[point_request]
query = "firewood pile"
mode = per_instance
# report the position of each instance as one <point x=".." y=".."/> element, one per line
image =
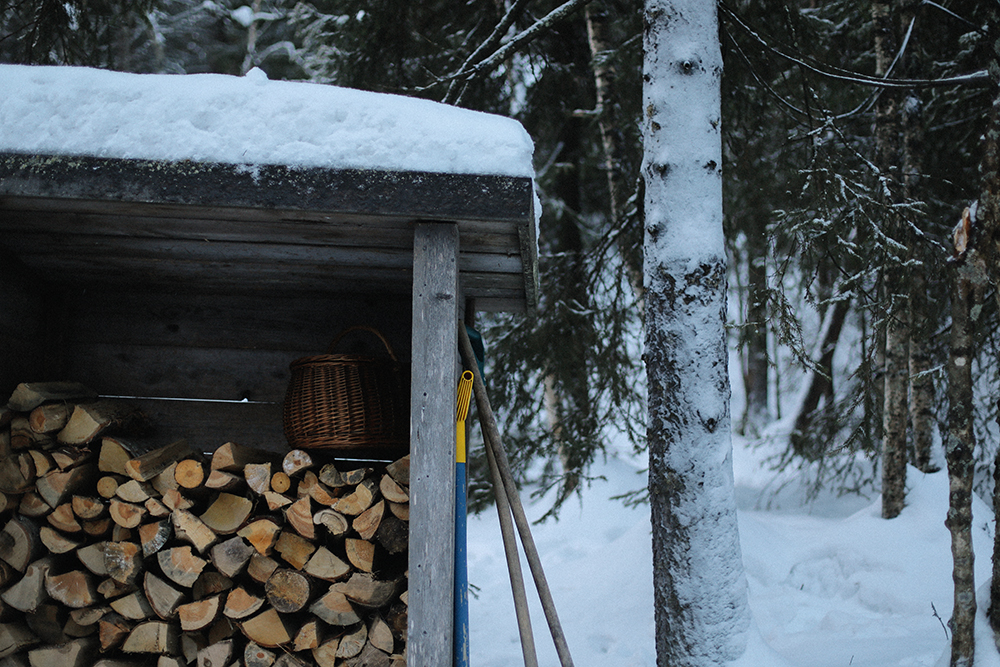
<point x="118" y="554"/>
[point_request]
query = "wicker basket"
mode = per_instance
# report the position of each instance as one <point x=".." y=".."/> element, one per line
<point x="352" y="404"/>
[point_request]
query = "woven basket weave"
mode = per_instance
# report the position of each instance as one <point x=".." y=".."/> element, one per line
<point x="353" y="404"/>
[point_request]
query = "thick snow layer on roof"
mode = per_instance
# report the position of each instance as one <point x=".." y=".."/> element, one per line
<point x="248" y="120"/>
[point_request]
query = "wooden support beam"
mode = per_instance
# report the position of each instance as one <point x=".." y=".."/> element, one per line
<point x="432" y="442"/>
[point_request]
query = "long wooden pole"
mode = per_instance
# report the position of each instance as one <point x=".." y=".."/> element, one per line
<point x="491" y="434"/>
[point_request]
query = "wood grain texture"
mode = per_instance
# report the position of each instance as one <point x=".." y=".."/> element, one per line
<point x="432" y="457"/>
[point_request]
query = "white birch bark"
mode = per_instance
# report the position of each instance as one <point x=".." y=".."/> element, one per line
<point x="702" y="615"/>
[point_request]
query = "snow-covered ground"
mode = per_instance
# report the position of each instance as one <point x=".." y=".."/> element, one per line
<point x="831" y="583"/>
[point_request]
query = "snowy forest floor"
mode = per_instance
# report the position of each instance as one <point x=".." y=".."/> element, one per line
<point x="831" y="583"/>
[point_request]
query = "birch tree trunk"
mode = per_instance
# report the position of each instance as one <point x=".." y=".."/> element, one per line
<point x="887" y="158"/>
<point x="702" y="616"/>
<point x="959" y="445"/>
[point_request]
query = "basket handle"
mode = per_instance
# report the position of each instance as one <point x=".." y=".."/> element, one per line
<point x="361" y="327"/>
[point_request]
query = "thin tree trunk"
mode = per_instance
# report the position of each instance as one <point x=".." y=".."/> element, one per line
<point x="988" y="214"/>
<point x="887" y="140"/>
<point x="699" y="588"/>
<point x="755" y="327"/>
<point x="923" y="421"/>
<point x="959" y="445"/>
<point x="612" y="138"/>
<point x="820" y="383"/>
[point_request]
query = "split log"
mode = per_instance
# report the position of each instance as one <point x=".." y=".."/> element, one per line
<point x="57" y="486"/>
<point x="29" y="395"/>
<point x="16" y="474"/>
<point x="199" y="614"/>
<point x="276" y="501"/>
<point x="368" y="521"/>
<point x="356" y="476"/>
<point x="163" y="598"/>
<point x="29" y="591"/>
<point x="154" y="536"/>
<point x="392" y="491"/>
<point x="332" y="477"/>
<point x="227" y="514"/>
<point x="15" y="637"/>
<point x="88" y="420"/>
<point x="112" y="630"/>
<point x="49" y="418"/>
<point x="240" y="604"/>
<point x="55" y="542"/>
<point x="224" y="628"/>
<point x="134" y="492"/>
<point x="233" y="457"/>
<point x="75" y="589"/>
<point x="255" y="655"/>
<point x="92" y="557"/>
<point x="218" y="654"/>
<point x="180" y="565"/>
<point x="109" y="588"/>
<point x="260" y="568"/>
<point x="63" y="518"/>
<point x="360" y="553"/>
<point x="192" y="529"/>
<point x="296" y="462"/>
<point x="325" y="654"/>
<point x="258" y="476"/>
<point x="367" y="591"/>
<point x="287" y="590"/>
<point x="149" y="465"/>
<point x="41" y="461"/>
<point x="326" y="566"/>
<point x="400" y="471"/>
<point x="369" y="656"/>
<point x="210" y="583"/>
<point x="232" y="555"/>
<point x="400" y="510"/>
<point x="65" y="458"/>
<point x="357" y="501"/>
<point x="353" y="642"/>
<point x="299" y="516"/>
<point x="126" y="514"/>
<point x="77" y="653"/>
<point x="219" y="480"/>
<point x="335" y="609"/>
<point x="315" y="489"/>
<point x="269" y="629"/>
<point x="380" y="635"/>
<point x="156" y="509"/>
<point x="20" y="543"/>
<point x="152" y="637"/>
<point x="173" y="499"/>
<point x="262" y="534"/>
<point x="294" y="549"/>
<point x="89" y="616"/>
<point x="123" y="561"/>
<point x="88" y="507"/>
<point x="97" y="527"/>
<point x="47" y="622"/>
<point x="310" y="636"/>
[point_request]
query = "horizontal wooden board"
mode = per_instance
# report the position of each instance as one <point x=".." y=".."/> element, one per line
<point x="136" y="220"/>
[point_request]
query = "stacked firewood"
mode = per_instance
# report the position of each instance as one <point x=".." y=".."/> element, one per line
<point x="114" y="553"/>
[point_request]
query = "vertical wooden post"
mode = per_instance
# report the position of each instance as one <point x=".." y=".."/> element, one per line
<point x="432" y="443"/>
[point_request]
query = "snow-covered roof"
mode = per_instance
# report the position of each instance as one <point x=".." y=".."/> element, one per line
<point x="249" y="120"/>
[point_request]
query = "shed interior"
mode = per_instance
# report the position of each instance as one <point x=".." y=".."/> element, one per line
<point x="178" y="280"/>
